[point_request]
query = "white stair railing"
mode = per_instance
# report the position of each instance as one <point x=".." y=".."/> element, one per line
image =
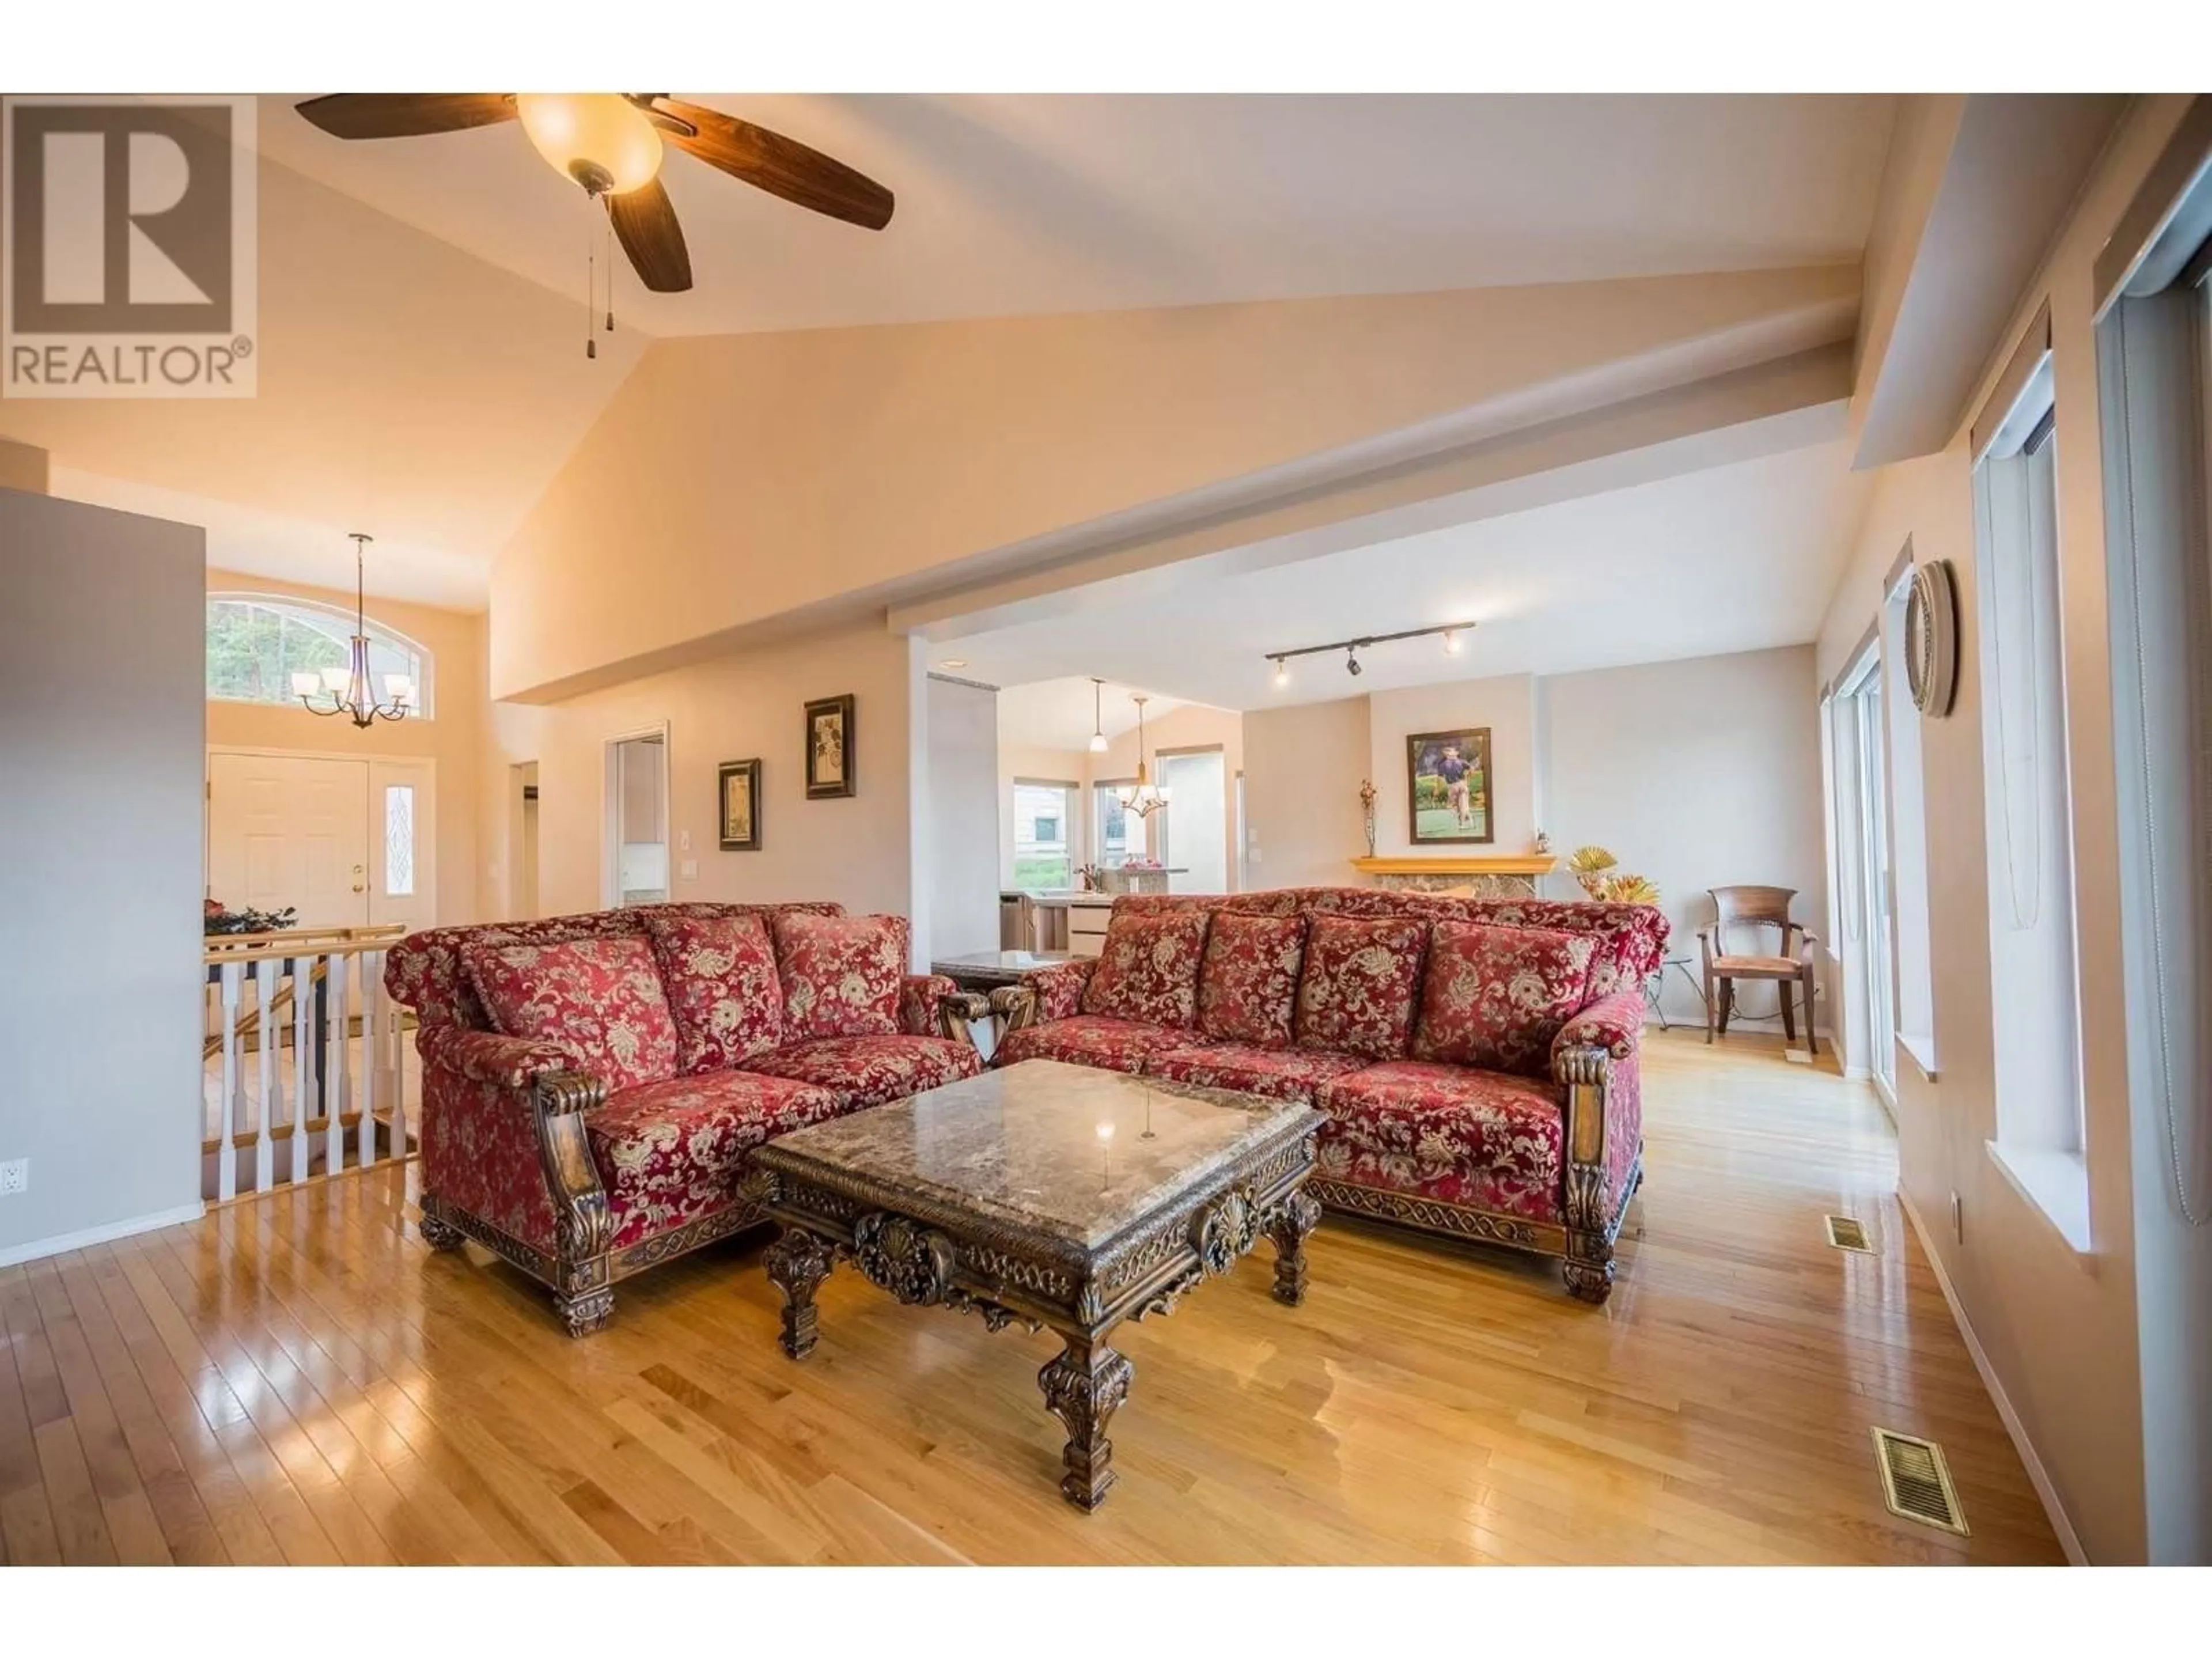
<point x="321" y="991"/>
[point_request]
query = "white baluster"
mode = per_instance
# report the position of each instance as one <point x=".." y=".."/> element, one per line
<point x="371" y="1062"/>
<point x="390" y="1056"/>
<point x="226" y="1167"/>
<point x="305" y="1082"/>
<point x="337" y="1079"/>
<point x="265" y="1110"/>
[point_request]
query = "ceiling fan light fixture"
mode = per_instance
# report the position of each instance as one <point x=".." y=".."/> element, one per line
<point x="600" y="140"/>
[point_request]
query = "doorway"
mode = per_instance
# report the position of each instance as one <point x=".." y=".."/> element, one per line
<point x="344" y="842"/>
<point x="637" y="818"/>
<point x="1195" y="844"/>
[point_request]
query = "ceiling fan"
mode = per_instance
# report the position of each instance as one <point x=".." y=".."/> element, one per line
<point x="611" y="144"/>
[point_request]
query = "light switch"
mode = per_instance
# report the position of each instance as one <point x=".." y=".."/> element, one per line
<point x="688" y="870"/>
<point x="683" y="840"/>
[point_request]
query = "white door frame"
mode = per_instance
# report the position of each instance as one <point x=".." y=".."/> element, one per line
<point x="611" y="807"/>
<point x="426" y="811"/>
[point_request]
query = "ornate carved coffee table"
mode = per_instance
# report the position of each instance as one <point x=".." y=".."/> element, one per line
<point x="1053" y="1195"/>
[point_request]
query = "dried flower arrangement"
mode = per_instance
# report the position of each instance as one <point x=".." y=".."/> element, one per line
<point x="1593" y="868"/>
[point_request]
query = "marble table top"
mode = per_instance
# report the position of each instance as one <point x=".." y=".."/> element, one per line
<point x="1070" y="1151"/>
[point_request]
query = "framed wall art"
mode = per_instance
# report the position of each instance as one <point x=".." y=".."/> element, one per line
<point x="738" y="790"/>
<point x="1448" y="786"/>
<point x="830" y="770"/>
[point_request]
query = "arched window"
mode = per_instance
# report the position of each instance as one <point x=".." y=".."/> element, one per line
<point x="257" y="642"/>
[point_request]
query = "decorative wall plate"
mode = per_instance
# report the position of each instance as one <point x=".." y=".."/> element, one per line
<point x="1931" y="639"/>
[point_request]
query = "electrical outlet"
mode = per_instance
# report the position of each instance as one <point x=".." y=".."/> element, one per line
<point x="1958" y="1220"/>
<point x="15" y="1175"/>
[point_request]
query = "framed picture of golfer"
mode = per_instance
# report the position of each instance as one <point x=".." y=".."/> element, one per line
<point x="1448" y="786"/>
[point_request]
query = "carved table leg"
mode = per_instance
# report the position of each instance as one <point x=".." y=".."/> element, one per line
<point x="798" y="1262"/>
<point x="586" y="1312"/>
<point x="1083" y="1387"/>
<point x="1288" y="1226"/>
<point x="439" y="1234"/>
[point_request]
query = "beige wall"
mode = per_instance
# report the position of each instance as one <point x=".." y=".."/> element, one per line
<point x="102" y="662"/>
<point x="2059" y="1329"/>
<point x="1507" y="705"/>
<point x="744" y="437"/>
<point x="1303" y="765"/>
<point x="452" y="738"/>
<point x="859" y="850"/>
<point x="1698" y="773"/>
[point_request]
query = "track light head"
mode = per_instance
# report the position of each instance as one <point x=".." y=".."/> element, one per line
<point x="1351" y="660"/>
<point x="1282" y="673"/>
<point x="1451" y="641"/>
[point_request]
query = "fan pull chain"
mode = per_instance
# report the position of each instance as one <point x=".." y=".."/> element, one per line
<point x="591" y="298"/>
<point x="610" y="272"/>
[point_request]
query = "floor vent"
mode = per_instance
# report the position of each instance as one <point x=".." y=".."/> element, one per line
<point x="1916" y="1481"/>
<point x="1847" y="1233"/>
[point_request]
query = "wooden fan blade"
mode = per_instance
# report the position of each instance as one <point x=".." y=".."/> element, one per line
<point x="405" y="114"/>
<point x="645" y="224"/>
<point x="782" y="167"/>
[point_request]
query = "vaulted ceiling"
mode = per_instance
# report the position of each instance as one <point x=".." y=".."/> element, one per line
<point x="423" y="375"/>
<point x="1013" y="206"/>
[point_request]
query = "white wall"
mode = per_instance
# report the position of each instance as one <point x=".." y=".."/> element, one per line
<point x="963" y="818"/>
<point x="103" y="659"/>
<point x="1698" y="773"/>
<point x="1507" y="705"/>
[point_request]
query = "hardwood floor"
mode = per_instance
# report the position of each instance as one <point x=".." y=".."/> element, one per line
<point x="298" y="1379"/>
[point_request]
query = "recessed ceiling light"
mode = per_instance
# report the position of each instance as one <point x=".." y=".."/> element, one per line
<point x="954" y="662"/>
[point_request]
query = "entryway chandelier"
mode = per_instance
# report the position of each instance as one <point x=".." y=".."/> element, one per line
<point x="351" y="690"/>
<point x="1144" y="797"/>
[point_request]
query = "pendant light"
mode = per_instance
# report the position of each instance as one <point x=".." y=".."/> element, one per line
<point x="348" y="690"/>
<point x="1097" y="724"/>
<point x="1144" y="798"/>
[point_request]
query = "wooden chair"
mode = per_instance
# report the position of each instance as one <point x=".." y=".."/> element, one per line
<point x="1741" y="908"/>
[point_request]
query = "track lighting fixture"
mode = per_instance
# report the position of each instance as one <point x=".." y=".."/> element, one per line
<point x="1352" y="649"/>
<point x="1097" y="724"/>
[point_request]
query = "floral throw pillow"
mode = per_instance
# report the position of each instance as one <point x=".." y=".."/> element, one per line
<point x="1361" y="980"/>
<point x="1494" y="998"/>
<point x="841" y="974"/>
<point x="597" y="1001"/>
<point x="1248" y="986"/>
<point x="720" y="977"/>
<point x="1148" y="968"/>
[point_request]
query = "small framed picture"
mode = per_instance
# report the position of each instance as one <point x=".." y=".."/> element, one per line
<point x="740" y="795"/>
<point x="829" y="772"/>
<point x="1448" y="786"/>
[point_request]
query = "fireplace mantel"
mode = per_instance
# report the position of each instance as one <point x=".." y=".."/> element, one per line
<point x="1501" y="876"/>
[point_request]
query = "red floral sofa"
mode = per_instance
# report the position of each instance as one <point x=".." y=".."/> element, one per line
<point x="1477" y="1057"/>
<point x="592" y="1083"/>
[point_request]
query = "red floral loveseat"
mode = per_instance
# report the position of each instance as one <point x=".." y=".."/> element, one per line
<point x="592" y="1083"/>
<point x="1477" y="1057"/>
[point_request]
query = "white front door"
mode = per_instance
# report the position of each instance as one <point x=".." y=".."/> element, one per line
<point x="347" y="843"/>
<point x="288" y="832"/>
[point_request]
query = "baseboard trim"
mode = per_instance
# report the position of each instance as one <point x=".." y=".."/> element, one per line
<point x="114" y="1229"/>
<point x="2037" y="1475"/>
